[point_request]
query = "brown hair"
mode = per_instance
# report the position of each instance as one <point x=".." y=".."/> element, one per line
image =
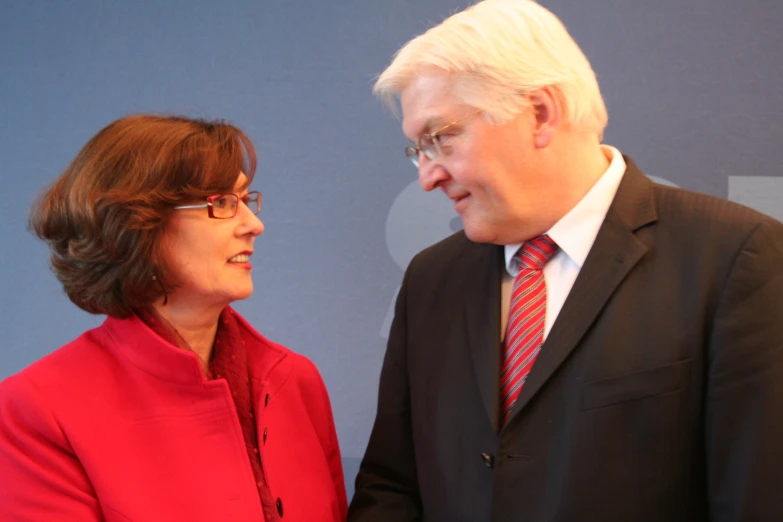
<point x="104" y="217"/>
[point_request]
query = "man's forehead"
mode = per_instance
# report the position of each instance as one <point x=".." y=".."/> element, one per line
<point x="423" y="122"/>
<point x="427" y="102"/>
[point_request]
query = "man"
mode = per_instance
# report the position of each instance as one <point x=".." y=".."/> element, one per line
<point x="592" y="346"/>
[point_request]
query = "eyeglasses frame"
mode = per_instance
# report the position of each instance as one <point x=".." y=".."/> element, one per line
<point x="209" y="205"/>
<point x="412" y="153"/>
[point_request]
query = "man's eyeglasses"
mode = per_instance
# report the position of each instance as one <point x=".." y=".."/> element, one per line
<point x="224" y="206"/>
<point x="429" y="144"/>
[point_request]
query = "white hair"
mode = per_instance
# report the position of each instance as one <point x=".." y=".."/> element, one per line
<point x="498" y="51"/>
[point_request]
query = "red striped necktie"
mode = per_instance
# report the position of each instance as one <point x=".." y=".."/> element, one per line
<point x="526" y="317"/>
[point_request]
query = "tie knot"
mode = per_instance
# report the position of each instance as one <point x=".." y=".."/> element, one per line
<point x="534" y="254"/>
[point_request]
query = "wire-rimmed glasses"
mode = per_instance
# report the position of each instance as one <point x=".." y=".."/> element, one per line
<point x="429" y="144"/>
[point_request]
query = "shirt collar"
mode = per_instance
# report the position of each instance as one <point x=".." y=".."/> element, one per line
<point x="575" y="232"/>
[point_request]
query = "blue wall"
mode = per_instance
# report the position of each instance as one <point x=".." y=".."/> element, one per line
<point x="694" y="91"/>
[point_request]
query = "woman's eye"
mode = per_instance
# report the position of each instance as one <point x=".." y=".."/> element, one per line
<point x="221" y="202"/>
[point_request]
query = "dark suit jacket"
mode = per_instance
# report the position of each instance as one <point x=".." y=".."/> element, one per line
<point x="657" y="396"/>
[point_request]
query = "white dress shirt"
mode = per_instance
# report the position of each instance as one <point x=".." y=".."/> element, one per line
<point x="574" y="234"/>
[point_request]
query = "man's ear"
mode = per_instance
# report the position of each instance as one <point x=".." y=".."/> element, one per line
<point x="546" y="111"/>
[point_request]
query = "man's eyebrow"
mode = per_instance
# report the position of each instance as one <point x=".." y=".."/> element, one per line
<point x="433" y="124"/>
<point x="429" y="126"/>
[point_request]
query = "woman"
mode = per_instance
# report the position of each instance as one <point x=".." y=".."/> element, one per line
<point x="175" y="408"/>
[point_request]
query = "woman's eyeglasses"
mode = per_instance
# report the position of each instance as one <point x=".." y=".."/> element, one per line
<point x="224" y="206"/>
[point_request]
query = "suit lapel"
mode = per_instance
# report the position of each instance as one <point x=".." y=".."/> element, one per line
<point x="615" y="252"/>
<point x="481" y="294"/>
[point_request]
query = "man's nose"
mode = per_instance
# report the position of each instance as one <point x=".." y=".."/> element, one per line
<point x="431" y="173"/>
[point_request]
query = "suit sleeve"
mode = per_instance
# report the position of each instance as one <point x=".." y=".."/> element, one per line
<point x="42" y="478"/>
<point x="386" y="485"/>
<point x="744" y="402"/>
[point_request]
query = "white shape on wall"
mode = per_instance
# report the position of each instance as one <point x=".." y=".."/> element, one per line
<point x="416" y="220"/>
<point x="662" y="181"/>
<point x="762" y="193"/>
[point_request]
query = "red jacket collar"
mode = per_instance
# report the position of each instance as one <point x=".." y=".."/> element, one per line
<point x="145" y="349"/>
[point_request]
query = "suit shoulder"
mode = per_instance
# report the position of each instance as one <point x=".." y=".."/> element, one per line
<point x="696" y="207"/>
<point x="444" y="251"/>
<point x="712" y="224"/>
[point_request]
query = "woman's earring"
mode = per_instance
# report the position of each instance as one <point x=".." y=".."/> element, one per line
<point x="165" y="294"/>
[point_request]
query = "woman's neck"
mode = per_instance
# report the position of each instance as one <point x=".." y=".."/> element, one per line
<point x="196" y="327"/>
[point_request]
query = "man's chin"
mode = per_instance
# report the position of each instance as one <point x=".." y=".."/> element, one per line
<point x="478" y="233"/>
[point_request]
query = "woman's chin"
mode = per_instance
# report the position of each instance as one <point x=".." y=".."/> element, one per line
<point x="242" y="295"/>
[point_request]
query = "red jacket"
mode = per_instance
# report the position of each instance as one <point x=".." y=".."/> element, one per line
<point x="119" y="425"/>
